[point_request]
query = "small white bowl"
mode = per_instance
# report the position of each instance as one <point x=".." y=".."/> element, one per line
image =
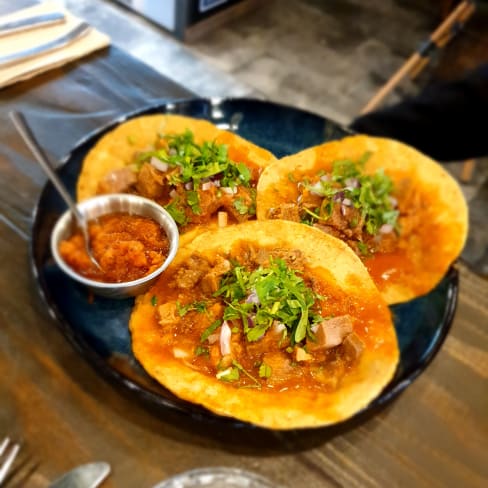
<point x="115" y="203"/>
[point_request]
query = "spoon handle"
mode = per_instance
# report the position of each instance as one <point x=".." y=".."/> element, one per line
<point x="24" y="130"/>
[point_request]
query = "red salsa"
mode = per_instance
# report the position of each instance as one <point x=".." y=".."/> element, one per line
<point x="127" y="247"/>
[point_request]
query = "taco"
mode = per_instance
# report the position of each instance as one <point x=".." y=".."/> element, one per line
<point x="187" y="165"/>
<point x="271" y="323"/>
<point x="401" y="212"/>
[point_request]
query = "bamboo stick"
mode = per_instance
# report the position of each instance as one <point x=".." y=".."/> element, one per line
<point x="462" y="11"/>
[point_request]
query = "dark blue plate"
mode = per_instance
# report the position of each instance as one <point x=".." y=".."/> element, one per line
<point x="97" y="327"/>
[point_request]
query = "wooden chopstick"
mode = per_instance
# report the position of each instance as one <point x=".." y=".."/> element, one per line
<point x="420" y="58"/>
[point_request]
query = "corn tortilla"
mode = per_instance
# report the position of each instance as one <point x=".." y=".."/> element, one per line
<point x="424" y="254"/>
<point x="330" y="261"/>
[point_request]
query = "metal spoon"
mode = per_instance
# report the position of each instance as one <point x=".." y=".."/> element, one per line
<point x="24" y="130"/>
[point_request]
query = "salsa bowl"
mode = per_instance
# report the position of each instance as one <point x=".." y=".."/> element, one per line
<point x="104" y="205"/>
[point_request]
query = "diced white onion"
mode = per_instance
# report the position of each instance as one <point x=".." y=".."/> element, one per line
<point x="347" y="202"/>
<point x="229" y="190"/>
<point x="325" y="178"/>
<point x="216" y="183"/>
<point x="386" y="229"/>
<point x="173" y="193"/>
<point x="353" y="182"/>
<point x="314" y="328"/>
<point x="222" y="374"/>
<point x="158" y="164"/>
<point x="316" y="189"/>
<point x="393" y="201"/>
<point x="189" y="185"/>
<point x="225" y="334"/>
<point x="253" y="297"/>
<point x="222" y="219"/>
<point x="207" y="185"/>
<point x="180" y="353"/>
<point x="278" y="327"/>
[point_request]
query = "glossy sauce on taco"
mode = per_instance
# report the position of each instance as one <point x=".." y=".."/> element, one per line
<point x="401" y="212"/>
<point x="189" y="166"/>
<point x="271" y="322"/>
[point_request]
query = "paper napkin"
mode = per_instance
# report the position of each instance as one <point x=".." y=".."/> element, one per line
<point x="12" y="43"/>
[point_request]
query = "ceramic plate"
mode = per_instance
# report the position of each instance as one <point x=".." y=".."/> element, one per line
<point x="97" y="327"/>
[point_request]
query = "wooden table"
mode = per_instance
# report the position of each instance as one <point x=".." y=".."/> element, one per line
<point x="434" y="434"/>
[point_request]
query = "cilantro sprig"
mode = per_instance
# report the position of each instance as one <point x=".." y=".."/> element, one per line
<point x="196" y="163"/>
<point x="199" y="161"/>
<point x="281" y="296"/>
<point x="369" y="193"/>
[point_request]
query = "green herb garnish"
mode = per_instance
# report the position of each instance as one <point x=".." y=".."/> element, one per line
<point x="210" y="330"/>
<point x="230" y="374"/>
<point x="264" y="371"/>
<point x="281" y="296"/>
<point x="201" y="351"/>
<point x="369" y="194"/>
<point x="193" y="201"/>
<point x="177" y="213"/>
<point x="197" y="162"/>
<point x="197" y="306"/>
<point x="240" y="206"/>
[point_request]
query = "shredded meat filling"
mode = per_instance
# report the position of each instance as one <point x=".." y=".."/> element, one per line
<point x="323" y="360"/>
<point x="163" y="188"/>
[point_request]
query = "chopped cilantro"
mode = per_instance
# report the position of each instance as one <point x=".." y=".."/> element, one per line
<point x="154" y="300"/>
<point x="197" y="306"/>
<point x="201" y="351"/>
<point x="200" y="307"/>
<point x="198" y="161"/>
<point x="369" y="193"/>
<point x="363" y="248"/>
<point x="193" y="201"/>
<point x="264" y="371"/>
<point x="240" y="368"/>
<point x="282" y="295"/>
<point x="210" y="330"/>
<point x="229" y="374"/>
<point x="244" y="173"/>
<point x="241" y="206"/>
<point x="177" y="213"/>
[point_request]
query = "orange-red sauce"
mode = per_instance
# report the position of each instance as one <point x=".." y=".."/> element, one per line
<point x="127" y="247"/>
<point x="324" y="372"/>
<point x="389" y="267"/>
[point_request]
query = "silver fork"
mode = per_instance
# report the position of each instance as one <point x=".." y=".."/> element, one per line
<point x="8" y="453"/>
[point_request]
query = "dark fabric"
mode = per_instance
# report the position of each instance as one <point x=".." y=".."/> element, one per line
<point x="446" y="121"/>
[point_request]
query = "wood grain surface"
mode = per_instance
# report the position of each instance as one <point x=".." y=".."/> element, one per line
<point x="434" y="434"/>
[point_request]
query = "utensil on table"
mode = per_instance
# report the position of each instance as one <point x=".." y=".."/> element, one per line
<point x="79" y="31"/>
<point x="85" y="476"/>
<point x="8" y="453"/>
<point x="31" y="22"/>
<point x="24" y="130"/>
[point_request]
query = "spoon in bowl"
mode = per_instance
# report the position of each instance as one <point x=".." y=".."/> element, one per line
<point x="24" y="130"/>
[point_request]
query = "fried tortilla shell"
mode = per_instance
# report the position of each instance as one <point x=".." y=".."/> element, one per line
<point x="333" y="267"/>
<point x="433" y="215"/>
<point x="117" y="148"/>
